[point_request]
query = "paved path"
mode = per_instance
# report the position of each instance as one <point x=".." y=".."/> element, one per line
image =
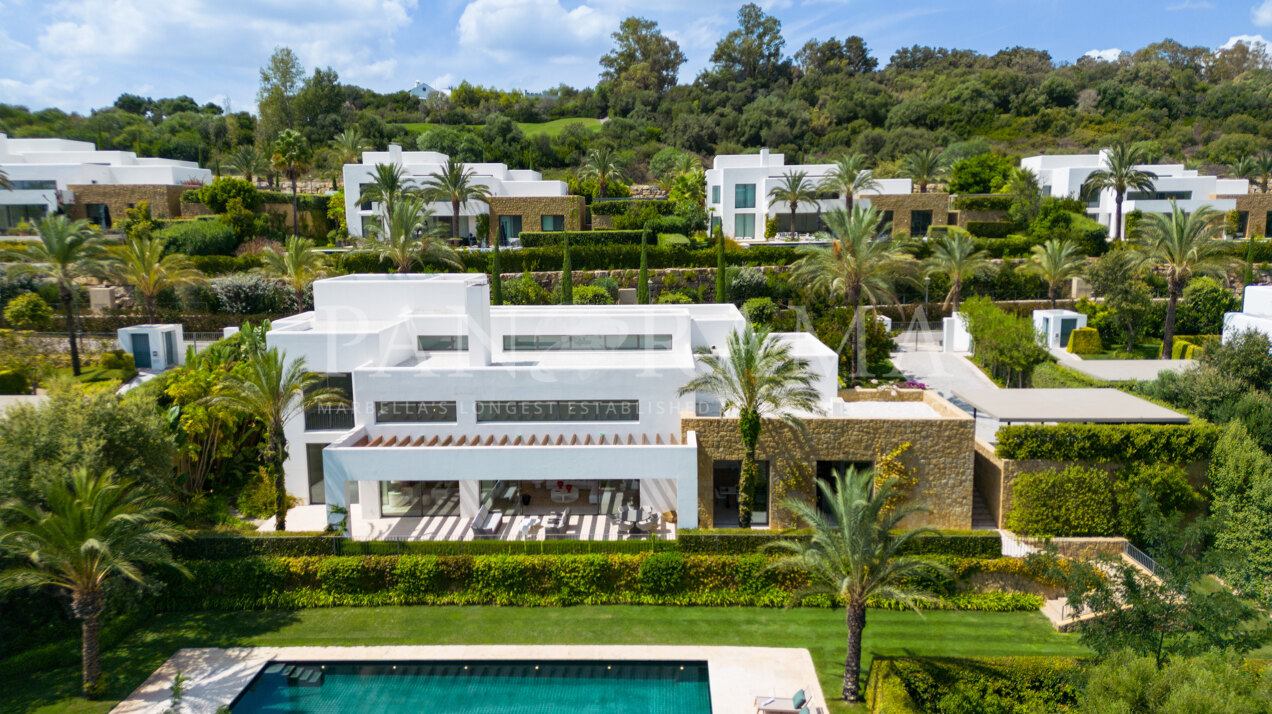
<point x="943" y="372"/>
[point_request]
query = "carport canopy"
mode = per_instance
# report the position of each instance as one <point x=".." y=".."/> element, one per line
<point x="1093" y="405"/>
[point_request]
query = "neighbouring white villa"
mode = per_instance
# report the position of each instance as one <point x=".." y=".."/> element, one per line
<point x="520" y="199"/>
<point x="739" y="188"/>
<point x="50" y="173"/>
<point x="468" y="420"/>
<point x="1255" y="315"/>
<point x="1062" y="176"/>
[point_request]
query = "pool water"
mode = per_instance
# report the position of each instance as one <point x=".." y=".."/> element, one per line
<point x="479" y="687"/>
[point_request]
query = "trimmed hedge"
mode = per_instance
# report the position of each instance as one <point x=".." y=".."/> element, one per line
<point x="529" y="580"/>
<point x="1075" y="502"/>
<point x="540" y="239"/>
<point x="1015" y="246"/>
<point x="982" y="203"/>
<point x="14" y="382"/>
<point x="711" y="541"/>
<point x="1183" y="347"/>
<point x="199" y="237"/>
<point x="219" y="547"/>
<point x="214" y="265"/>
<point x="1121" y="443"/>
<point x="602" y="207"/>
<point x="1085" y="341"/>
<point x="1007" y="684"/>
<point x="591" y="257"/>
<point x="885" y="691"/>
<point x="990" y="229"/>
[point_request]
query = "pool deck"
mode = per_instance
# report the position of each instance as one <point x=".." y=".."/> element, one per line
<point x="214" y="677"/>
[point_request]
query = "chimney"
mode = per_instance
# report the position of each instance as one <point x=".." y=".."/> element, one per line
<point x="764" y="156"/>
<point x="395" y="154"/>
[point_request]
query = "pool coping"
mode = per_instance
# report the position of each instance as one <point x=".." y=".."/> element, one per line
<point x="737" y="675"/>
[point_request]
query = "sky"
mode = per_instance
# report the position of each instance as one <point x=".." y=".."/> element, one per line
<point x="80" y="54"/>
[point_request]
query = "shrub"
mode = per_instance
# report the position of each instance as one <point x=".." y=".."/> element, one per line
<point x="983" y="686"/>
<point x="609" y="285"/>
<point x="217" y="195"/>
<point x="735" y="542"/>
<point x="1012" y="246"/>
<point x="1053" y="376"/>
<point x="982" y="203"/>
<point x="541" y="239"/>
<point x="662" y="574"/>
<point x="673" y="298"/>
<point x="591" y="295"/>
<point x="248" y="294"/>
<point x="1182" y="347"/>
<point x="259" y="498"/>
<point x="747" y="283"/>
<point x="28" y="311"/>
<point x="990" y="229"/>
<point x="1166" y="484"/>
<point x="1085" y="341"/>
<point x="304" y="201"/>
<point x="14" y="382"/>
<point x="524" y="291"/>
<point x="1120" y="443"/>
<point x="199" y="237"/>
<point x="759" y="311"/>
<point x="117" y="359"/>
<point x="617" y="208"/>
<point x="213" y="265"/>
<point x="1077" y="501"/>
<point x="1204" y="304"/>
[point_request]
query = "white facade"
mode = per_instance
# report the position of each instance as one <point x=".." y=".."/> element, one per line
<point x="739" y="188"/>
<point x="1055" y="326"/>
<point x="1062" y="176"/>
<point x="42" y="170"/>
<point x="419" y="165"/>
<point x="154" y="348"/>
<point x="596" y="392"/>
<point x="1255" y="315"/>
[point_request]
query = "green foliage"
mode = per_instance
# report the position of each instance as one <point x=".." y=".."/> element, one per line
<point x="988" y="686"/>
<point x="28" y="311"/>
<point x="642" y="279"/>
<point x="1117" y="443"/>
<point x="525" y="291"/>
<point x="1214" y="683"/>
<point x="618" y="208"/>
<point x="1074" y="502"/>
<point x="746" y="284"/>
<point x="662" y="574"/>
<point x="217" y="195"/>
<point x="983" y="173"/>
<point x="591" y="295"/>
<point x="1166" y="484"/>
<point x="1051" y="375"/>
<point x="304" y="201"/>
<point x="118" y="359"/>
<point x="14" y="382"/>
<point x="199" y="237"/>
<point x="1241" y="491"/>
<point x="1085" y="341"/>
<point x="1205" y="302"/>
<point x="759" y="311"/>
<point x="673" y="298"/>
<point x="259" y="498"/>
<point x="536" y="239"/>
<point x="245" y="224"/>
<point x="720" y="541"/>
<point x="609" y="285"/>
<point x="990" y="229"/>
<point x="250" y="294"/>
<point x="982" y="203"/>
<point x="1006" y="345"/>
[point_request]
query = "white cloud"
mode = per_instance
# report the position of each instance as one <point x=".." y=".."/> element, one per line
<point x="1252" y="40"/>
<point x="1109" y="55"/>
<point x="510" y="31"/>
<point x="1262" y="14"/>
<point x="443" y="83"/>
<point x="1191" y="5"/>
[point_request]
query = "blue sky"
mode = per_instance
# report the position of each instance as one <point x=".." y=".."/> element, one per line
<point x="79" y="54"/>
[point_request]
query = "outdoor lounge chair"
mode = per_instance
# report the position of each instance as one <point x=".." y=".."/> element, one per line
<point x="487" y="522"/>
<point x="780" y="705"/>
<point x="557" y="523"/>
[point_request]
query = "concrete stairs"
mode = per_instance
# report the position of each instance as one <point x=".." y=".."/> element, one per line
<point x="982" y="517"/>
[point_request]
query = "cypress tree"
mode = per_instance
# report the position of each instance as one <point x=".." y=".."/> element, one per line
<point x="496" y="283"/>
<point x="719" y="276"/>
<point x="567" y="272"/>
<point x="642" y="285"/>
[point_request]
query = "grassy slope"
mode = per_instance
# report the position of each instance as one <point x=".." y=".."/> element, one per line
<point x="966" y="634"/>
<point x="551" y="128"/>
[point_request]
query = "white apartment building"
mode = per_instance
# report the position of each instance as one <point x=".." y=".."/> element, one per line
<point x="739" y="194"/>
<point x="503" y="183"/>
<point x="1062" y="176"/>
<point x="44" y="171"/>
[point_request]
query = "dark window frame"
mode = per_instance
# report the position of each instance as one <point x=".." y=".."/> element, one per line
<point x="332" y="417"/>
<point x="444" y="343"/>
<point x="586" y="343"/>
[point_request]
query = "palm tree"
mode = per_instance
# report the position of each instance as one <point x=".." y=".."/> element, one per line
<point x="761" y="379"/>
<point x="86" y="531"/>
<point x="793" y="189"/>
<point x="68" y="250"/>
<point x="389" y="182"/>
<point x="857" y="266"/>
<point x="249" y="161"/>
<point x="857" y="552"/>
<point x="1245" y="167"/>
<point x="1121" y="175"/>
<point x="5" y="183"/>
<point x="272" y="391"/>
<point x="454" y="184"/>
<point x="407" y="234"/>
<point x="1263" y="162"/>
<point x="849" y="177"/>
<point x="1055" y="261"/>
<point x="604" y="165"/>
<point x="349" y="145"/>
<point x="955" y="254"/>
<point x="1181" y="245"/>
<point x="925" y="167"/>
<point x="298" y="264"/>
<point x="291" y="157"/>
<point x="140" y="263"/>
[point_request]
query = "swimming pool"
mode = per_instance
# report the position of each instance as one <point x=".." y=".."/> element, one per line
<point x="479" y="687"/>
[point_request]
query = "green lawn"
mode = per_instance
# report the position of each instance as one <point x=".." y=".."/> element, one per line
<point x="551" y="128"/>
<point x="91" y="375"/>
<point x="966" y="634"/>
<point x="1151" y="349"/>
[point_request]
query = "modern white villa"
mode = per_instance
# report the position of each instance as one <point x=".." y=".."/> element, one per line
<point x="468" y="420"/>
<point x="739" y="188"/>
<point x="1062" y="176"/>
<point x="506" y="186"/>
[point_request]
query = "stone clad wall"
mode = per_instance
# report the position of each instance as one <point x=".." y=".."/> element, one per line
<point x="532" y="209"/>
<point x="940" y="452"/>
<point x="902" y="204"/>
<point x="165" y="200"/>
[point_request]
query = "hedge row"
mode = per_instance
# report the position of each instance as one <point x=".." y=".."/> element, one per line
<point x="214" y="265"/>
<point x="221" y="547"/>
<point x="982" y="203"/>
<point x="988" y="545"/>
<point x="540" y="239"/>
<point x="535" y="580"/>
<point x="990" y="229"/>
<point x="618" y="208"/>
<point x="1120" y="443"/>
<point x="1006" y="684"/>
<point x="590" y="257"/>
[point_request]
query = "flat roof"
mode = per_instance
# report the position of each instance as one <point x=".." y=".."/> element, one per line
<point x="1093" y="405"/>
<point x="1126" y="370"/>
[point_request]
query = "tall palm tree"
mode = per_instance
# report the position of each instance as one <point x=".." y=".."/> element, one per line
<point x="1055" y="261"/>
<point x="1245" y="167"/>
<point x="793" y="189"/>
<point x="955" y="255"/>
<point x="924" y="167"/>
<point x="408" y="234"/>
<point x="454" y="184"/>
<point x="249" y="161"/>
<point x="849" y="177"/>
<point x="87" y="530"/>
<point x="761" y="379"/>
<point x="857" y="552"/>
<point x="140" y="263"/>
<point x="689" y="187"/>
<point x="272" y="391"/>
<point x="5" y="183"/>
<point x="1263" y="162"/>
<point x="389" y="182"/>
<point x="1180" y="245"/>
<point x="349" y="145"/>
<point x="1121" y="173"/>
<point x="68" y="250"/>
<point x="298" y="264"/>
<point x="603" y="164"/>
<point x="858" y="265"/>
<point x="291" y="157"/>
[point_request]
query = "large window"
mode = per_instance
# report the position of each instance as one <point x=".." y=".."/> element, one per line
<point x="744" y="195"/>
<point x="441" y="343"/>
<point x="744" y="225"/>
<point x="920" y="221"/>
<point x="804" y="223"/>
<point x="715" y="194"/>
<point x="511" y="226"/>
<point x="419" y="498"/>
<point x="560" y="410"/>
<point x="547" y="343"/>
<point x="413" y="412"/>
<point x="1159" y="195"/>
<point x="33" y="185"/>
<point x="554" y="223"/>
<point x="328" y="417"/>
<point x="313" y="463"/>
